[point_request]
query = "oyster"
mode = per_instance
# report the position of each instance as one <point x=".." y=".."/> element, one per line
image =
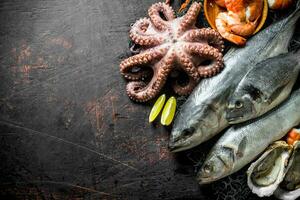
<point x="289" y="188"/>
<point x="265" y="174"/>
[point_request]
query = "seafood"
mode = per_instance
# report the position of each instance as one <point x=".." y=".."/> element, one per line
<point x="293" y="136"/>
<point x="221" y="3"/>
<point x="263" y="87"/>
<point x="202" y="115"/>
<point x="170" y="45"/>
<point x="265" y="174"/>
<point x="289" y="189"/>
<point x="240" y="20"/>
<point x="279" y="4"/>
<point x="242" y="143"/>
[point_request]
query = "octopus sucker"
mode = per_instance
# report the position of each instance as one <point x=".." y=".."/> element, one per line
<point x="205" y="34"/>
<point x="207" y="53"/>
<point x="155" y="17"/>
<point x="187" y="65"/>
<point x="184" y="89"/>
<point x="190" y="17"/>
<point x="163" y="48"/>
<point x="139" y="36"/>
<point x="141" y="92"/>
<point x="140" y="61"/>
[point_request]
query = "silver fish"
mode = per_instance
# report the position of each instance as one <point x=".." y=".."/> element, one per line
<point x="265" y="86"/>
<point x="244" y="142"/>
<point x="202" y="115"/>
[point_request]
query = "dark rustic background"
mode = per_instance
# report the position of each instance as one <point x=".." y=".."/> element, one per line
<point x="68" y="130"/>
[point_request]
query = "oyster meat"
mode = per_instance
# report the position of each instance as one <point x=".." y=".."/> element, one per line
<point x="265" y="174"/>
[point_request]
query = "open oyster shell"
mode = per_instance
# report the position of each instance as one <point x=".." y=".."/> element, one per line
<point x="289" y="188"/>
<point x="265" y="174"/>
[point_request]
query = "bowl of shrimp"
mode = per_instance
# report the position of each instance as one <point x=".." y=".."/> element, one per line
<point x="236" y="20"/>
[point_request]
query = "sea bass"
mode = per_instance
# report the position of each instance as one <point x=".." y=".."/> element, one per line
<point x="202" y="115"/>
<point x="265" y="86"/>
<point x="242" y="143"/>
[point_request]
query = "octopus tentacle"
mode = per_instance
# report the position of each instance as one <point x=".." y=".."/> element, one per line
<point x="187" y="65"/>
<point x="140" y="60"/>
<point x="139" y="91"/>
<point x="186" y="89"/>
<point x="205" y="34"/>
<point x="139" y="36"/>
<point x="208" y="52"/>
<point x="189" y="19"/>
<point x="192" y="72"/>
<point x="154" y="14"/>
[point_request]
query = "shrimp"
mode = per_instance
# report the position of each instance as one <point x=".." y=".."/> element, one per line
<point x="223" y="28"/>
<point x="221" y="3"/>
<point x="240" y="20"/>
<point x="293" y="136"/>
<point x="246" y="26"/>
<point x="254" y="10"/>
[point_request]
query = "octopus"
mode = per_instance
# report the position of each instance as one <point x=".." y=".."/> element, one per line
<point x="170" y="47"/>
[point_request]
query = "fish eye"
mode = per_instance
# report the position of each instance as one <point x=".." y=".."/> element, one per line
<point x="188" y="131"/>
<point x="238" y="104"/>
<point x="207" y="168"/>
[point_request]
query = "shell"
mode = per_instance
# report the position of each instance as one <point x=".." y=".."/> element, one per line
<point x="289" y="189"/>
<point x="265" y="174"/>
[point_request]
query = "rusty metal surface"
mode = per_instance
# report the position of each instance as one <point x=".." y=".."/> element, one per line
<point x="67" y="128"/>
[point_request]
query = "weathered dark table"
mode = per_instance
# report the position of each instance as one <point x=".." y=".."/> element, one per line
<point x="68" y="129"/>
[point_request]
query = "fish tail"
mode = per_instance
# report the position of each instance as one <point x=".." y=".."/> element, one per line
<point x="294" y="16"/>
<point x="296" y="13"/>
<point x="289" y="25"/>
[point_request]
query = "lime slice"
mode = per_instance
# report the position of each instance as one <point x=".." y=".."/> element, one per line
<point x="168" y="112"/>
<point x="157" y="108"/>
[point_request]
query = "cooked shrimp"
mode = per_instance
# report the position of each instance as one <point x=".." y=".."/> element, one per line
<point x="246" y="27"/>
<point x="240" y="20"/>
<point x="236" y="6"/>
<point x="223" y="28"/>
<point x="293" y="136"/>
<point x="221" y="3"/>
<point x="254" y="9"/>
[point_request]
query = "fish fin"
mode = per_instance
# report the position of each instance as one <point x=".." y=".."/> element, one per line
<point x="241" y="147"/>
<point x="276" y="93"/>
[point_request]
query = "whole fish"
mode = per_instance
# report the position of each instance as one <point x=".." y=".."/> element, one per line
<point x="265" y="86"/>
<point x="242" y="143"/>
<point x="202" y="116"/>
